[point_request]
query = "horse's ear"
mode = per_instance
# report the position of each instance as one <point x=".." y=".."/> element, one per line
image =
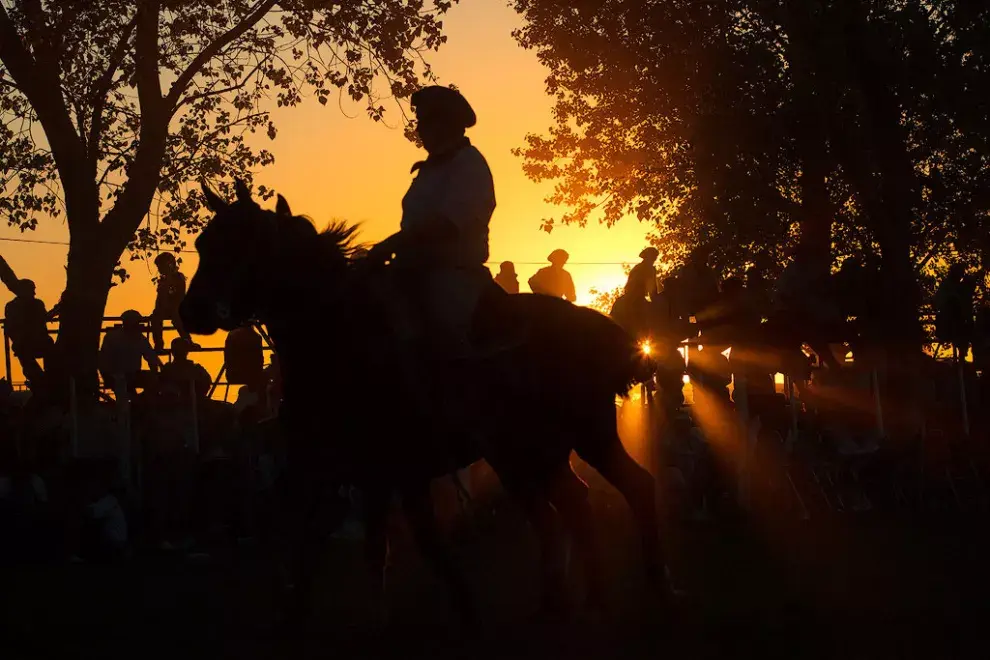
<point x="282" y="207"/>
<point x="213" y="200"/>
<point x="242" y="190"/>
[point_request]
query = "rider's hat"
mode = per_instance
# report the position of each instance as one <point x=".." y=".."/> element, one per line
<point x="649" y="253"/>
<point x="438" y="101"/>
<point x="558" y="255"/>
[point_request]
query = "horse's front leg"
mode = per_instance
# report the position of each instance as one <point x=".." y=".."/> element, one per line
<point x="316" y="512"/>
<point x="417" y="504"/>
<point x="376" y="506"/>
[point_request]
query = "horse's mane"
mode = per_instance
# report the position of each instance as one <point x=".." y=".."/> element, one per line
<point x="342" y="237"/>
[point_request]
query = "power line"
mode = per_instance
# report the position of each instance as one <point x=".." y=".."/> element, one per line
<point x="36" y="241"/>
<point x="31" y="240"/>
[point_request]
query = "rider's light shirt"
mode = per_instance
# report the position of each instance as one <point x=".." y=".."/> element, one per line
<point x="459" y="188"/>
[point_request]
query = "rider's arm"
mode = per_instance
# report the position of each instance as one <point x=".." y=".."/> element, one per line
<point x="570" y="294"/>
<point x="430" y="231"/>
<point x="150" y="356"/>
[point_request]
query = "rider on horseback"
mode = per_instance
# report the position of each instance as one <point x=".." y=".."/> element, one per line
<point x="440" y="251"/>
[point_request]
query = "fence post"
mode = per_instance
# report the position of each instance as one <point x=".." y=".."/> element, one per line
<point x="962" y="395"/>
<point x="794" y="414"/>
<point x="877" y="401"/>
<point x="741" y="395"/>
<point x="195" y="417"/>
<point x="124" y="421"/>
<point x="73" y="419"/>
<point x="213" y="387"/>
<point x="6" y="354"/>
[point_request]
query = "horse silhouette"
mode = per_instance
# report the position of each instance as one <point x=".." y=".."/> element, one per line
<point x="550" y="392"/>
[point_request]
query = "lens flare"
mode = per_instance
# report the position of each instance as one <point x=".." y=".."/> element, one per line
<point x="646" y="347"/>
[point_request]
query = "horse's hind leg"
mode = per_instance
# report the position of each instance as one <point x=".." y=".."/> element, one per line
<point x="553" y="557"/>
<point x="418" y="506"/>
<point x="376" y="504"/>
<point x="569" y="495"/>
<point x="316" y="513"/>
<point x="604" y="452"/>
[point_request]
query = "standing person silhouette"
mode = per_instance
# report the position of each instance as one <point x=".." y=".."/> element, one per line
<point x="954" y="322"/>
<point x="507" y="278"/>
<point x="123" y="348"/>
<point x="553" y="280"/>
<point x="26" y="325"/>
<point x="171" y="290"/>
<point x="643" y="276"/>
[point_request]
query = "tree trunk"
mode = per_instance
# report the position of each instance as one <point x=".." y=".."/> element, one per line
<point x="816" y="216"/>
<point x="88" y="278"/>
<point x="813" y="98"/>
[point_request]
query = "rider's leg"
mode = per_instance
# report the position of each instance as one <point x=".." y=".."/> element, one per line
<point x="394" y="291"/>
<point x="156" y="321"/>
<point x="569" y="495"/>
<point x="451" y="298"/>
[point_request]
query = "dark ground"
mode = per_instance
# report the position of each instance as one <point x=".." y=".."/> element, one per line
<point x="873" y="586"/>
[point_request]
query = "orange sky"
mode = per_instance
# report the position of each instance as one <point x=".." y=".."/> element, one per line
<point x="331" y="166"/>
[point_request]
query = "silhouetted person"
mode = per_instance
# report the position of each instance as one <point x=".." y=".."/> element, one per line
<point x="26" y="325"/>
<point x="244" y="356"/>
<point x="643" y="275"/>
<point x="954" y="309"/>
<point x="757" y="293"/>
<point x="859" y="305"/>
<point x="442" y="245"/>
<point x="507" y="278"/>
<point x="731" y="318"/>
<point x="631" y="310"/>
<point x="171" y="289"/>
<point x="553" y="280"/>
<point x="181" y="371"/>
<point x="695" y="286"/>
<point x="123" y="348"/>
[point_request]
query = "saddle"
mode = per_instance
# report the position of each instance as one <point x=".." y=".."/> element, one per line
<point x="498" y="325"/>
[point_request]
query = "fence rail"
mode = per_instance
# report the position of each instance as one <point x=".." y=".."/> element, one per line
<point x="106" y="324"/>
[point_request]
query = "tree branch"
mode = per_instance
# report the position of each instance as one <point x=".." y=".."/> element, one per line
<point x="144" y="174"/>
<point x="192" y="98"/>
<point x="146" y="59"/>
<point x="185" y="78"/>
<point x="39" y="81"/>
<point x="7" y="276"/>
<point x="102" y="88"/>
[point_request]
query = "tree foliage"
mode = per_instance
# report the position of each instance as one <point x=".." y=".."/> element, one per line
<point x="749" y="125"/>
<point x="110" y="109"/>
<point x="82" y="84"/>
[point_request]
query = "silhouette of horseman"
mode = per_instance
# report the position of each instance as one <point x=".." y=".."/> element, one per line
<point x="441" y="247"/>
<point x="519" y="380"/>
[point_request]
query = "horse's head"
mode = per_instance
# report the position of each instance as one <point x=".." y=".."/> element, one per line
<point x="238" y="263"/>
